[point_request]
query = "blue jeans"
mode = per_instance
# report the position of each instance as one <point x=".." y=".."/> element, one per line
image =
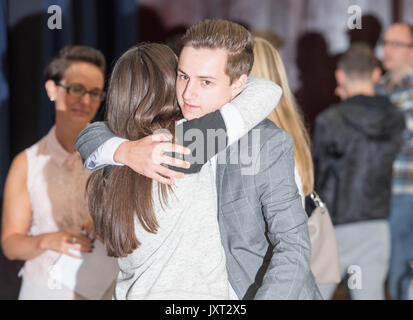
<point x="401" y="230"/>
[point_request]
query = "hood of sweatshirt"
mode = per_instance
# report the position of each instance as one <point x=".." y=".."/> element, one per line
<point x="375" y="117"/>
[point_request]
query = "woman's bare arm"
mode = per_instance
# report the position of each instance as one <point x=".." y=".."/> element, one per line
<point x="17" y="215"/>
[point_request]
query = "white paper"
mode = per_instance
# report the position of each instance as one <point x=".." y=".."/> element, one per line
<point x="90" y="276"/>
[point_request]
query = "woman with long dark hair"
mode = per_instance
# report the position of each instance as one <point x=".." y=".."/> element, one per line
<point x="166" y="237"/>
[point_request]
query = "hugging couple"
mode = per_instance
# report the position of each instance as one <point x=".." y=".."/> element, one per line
<point x="214" y="228"/>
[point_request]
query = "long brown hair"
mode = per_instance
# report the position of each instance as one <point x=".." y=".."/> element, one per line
<point x="268" y="64"/>
<point x="141" y="100"/>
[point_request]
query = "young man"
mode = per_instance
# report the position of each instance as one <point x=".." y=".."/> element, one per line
<point x="397" y="84"/>
<point x="355" y="144"/>
<point x="262" y="223"/>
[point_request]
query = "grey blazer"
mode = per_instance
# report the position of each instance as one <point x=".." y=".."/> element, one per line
<point x="262" y="222"/>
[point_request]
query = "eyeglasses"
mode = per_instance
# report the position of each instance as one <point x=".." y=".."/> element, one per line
<point x="78" y="91"/>
<point x="396" y="44"/>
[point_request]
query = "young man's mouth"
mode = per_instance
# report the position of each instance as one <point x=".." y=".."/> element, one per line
<point x="190" y="107"/>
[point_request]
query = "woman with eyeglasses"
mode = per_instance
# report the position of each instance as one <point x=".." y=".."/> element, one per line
<point x="45" y="212"/>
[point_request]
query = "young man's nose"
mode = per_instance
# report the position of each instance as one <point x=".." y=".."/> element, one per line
<point x="189" y="91"/>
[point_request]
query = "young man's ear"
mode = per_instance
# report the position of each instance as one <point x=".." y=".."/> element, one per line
<point x="238" y="85"/>
<point x="375" y="75"/>
<point x="51" y="89"/>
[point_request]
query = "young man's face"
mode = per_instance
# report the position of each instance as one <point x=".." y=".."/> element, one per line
<point x="202" y="86"/>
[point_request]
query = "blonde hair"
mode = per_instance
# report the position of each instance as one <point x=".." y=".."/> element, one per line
<point x="287" y="115"/>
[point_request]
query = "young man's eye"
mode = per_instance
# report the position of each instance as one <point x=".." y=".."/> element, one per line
<point x="206" y="82"/>
<point x="183" y="77"/>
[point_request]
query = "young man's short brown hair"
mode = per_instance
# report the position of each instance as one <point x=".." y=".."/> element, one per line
<point x="358" y="62"/>
<point x="223" y="34"/>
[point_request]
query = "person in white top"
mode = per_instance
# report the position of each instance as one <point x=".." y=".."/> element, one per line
<point x="45" y="213"/>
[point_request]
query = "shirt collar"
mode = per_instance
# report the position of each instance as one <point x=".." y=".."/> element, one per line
<point x="181" y="121"/>
<point x="405" y="82"/>
<point x="58" y="153"/>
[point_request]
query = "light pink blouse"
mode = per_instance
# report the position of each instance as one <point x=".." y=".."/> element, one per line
<point x="56" y="185"/>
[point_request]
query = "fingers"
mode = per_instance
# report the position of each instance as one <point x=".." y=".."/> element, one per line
<point x="158" y="154"/>
<point x="168" y="173"/>
<point x="82" y="239"/>
<point x="89" y="231"/>
<point x="79" y="239"/>
<point x="88" y="226"/>
<point x="164" y="175"/>
<point x="171" y="147"/>
<point x="157" y="177"/>
<point x="161" y="137"/>
<point x="92" y="234"/>
<point x="73" y="250"/>
<point x="175" y="162"/>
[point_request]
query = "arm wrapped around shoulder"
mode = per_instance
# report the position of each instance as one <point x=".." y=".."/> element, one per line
<point x="91" y="137"/>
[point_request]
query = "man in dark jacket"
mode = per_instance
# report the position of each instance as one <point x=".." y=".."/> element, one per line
<point x="355" y="144"/>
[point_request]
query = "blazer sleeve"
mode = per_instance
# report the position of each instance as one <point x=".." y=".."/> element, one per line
<point x="91" y="137"/>
<point x="288" y="275"/>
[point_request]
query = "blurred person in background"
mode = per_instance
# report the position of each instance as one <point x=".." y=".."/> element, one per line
<point x="45" y="212"/>
<point x="287" y="116"/>
<point x="355" y="144"/>
<point x="397" y="84"/>
<point x="274" y="39"/>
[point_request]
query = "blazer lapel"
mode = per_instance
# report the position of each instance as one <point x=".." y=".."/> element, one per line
<point x="221" y="168"/>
